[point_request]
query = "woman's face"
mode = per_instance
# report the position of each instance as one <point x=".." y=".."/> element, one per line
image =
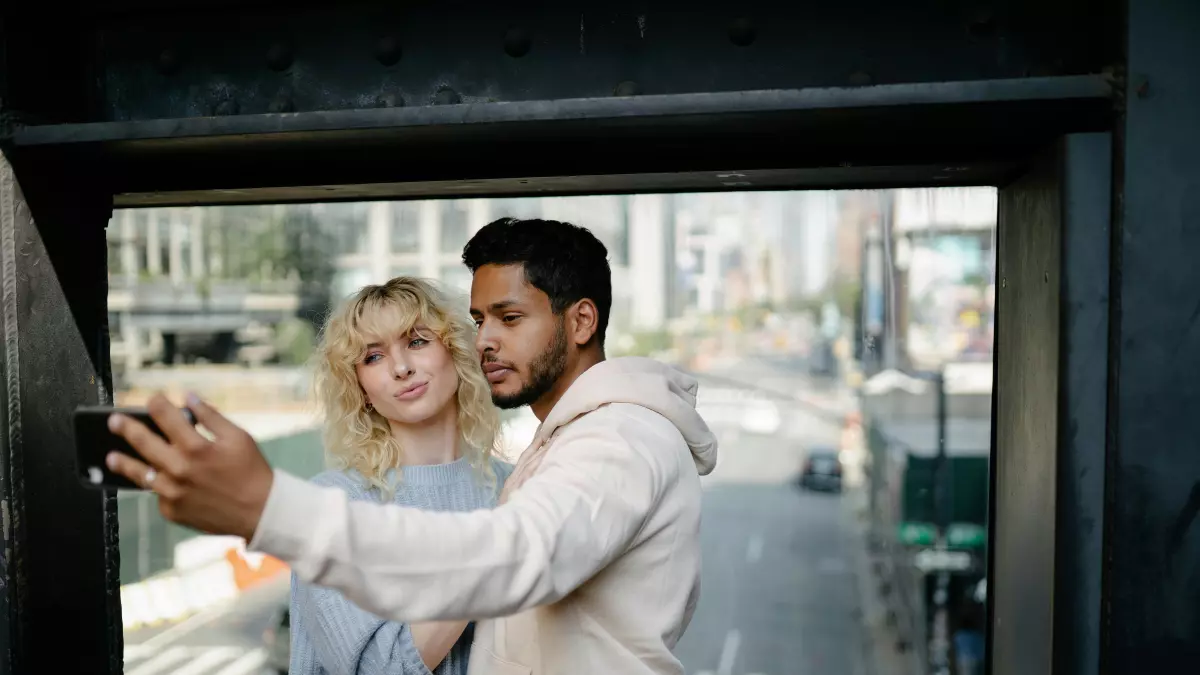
<point x="410" y="378"/>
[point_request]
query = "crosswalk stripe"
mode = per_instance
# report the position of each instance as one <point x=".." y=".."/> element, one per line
<point x="249" y="663"/>
<point x="160" y="663"/>
<point x="208" y="660"/>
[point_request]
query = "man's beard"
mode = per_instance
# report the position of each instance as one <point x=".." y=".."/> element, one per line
<point x="544" y="372"/>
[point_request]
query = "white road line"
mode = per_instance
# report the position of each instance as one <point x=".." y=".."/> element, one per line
<point x="208" y="659"/>
<point x="733" y="640"/>
<point x="252" y="662"/>
<point x="162" y="662"/>
<point x="754" y="549"/>
<point x="135" y="652"/>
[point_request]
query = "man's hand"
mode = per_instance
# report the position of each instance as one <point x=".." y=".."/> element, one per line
<point x="218" y="486"/>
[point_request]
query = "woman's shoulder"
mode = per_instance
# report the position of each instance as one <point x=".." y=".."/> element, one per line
<point x="348" y="480"/>
<point x="502" y="469"/>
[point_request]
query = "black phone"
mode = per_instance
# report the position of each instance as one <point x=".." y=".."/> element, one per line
<point x="93" y="442"/>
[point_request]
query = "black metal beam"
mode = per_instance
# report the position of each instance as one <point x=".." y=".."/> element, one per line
<point x="187" y="61"/>
<point x="952" y="133"/>
<point x="60" y="576"/>
<point x="1151" y="595"/>
<point x="1086" y="192"/>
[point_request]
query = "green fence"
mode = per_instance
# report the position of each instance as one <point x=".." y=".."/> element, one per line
<point x="147" y="540"/>
<point x="902" y="488"/>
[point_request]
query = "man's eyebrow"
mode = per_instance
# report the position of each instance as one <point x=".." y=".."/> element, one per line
<point x="497" y="306"/>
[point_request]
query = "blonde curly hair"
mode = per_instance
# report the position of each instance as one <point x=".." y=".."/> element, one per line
<point x="360" y="439"/>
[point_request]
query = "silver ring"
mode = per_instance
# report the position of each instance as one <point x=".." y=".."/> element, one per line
<point x="151" y="474"/>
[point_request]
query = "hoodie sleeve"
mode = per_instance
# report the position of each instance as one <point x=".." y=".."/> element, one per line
<point x="583" y="508"/>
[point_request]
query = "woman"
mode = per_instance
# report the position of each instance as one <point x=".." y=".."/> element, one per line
<point x="409" y="418"/>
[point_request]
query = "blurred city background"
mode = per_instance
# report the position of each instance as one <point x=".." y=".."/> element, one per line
<point x="843" y="341"/>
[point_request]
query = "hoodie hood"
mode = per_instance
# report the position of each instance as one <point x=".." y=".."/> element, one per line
<point x="644" y="382"/>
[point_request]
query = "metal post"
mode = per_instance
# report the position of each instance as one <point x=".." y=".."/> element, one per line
<point x="942" y="467"/>
<point x="939" y="642"/>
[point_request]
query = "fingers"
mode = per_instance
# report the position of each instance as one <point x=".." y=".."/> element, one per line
<point x="211" y="419"/>
<point x="174" y="423"/>
<point x="148" y="444"/>
<point x="140" y="474"/>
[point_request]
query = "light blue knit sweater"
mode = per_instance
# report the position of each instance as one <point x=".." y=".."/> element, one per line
<point x="332" y="636"/>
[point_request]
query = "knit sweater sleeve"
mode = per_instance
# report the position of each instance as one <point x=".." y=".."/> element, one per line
<point x="346" y="639"/>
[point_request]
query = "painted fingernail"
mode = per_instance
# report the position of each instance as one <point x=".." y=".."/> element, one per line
<point x="193" y="399"/>
<point x="114" y="423"/>
<point x="111" y="460"/>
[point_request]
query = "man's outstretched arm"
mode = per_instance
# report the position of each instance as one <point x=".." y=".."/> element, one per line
<point x="566" y="523"/>
<point x="584" y="507"/>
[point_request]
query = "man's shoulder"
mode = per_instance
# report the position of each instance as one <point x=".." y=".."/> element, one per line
<point x="621" y="419"/>
<point x="641" y="429"/>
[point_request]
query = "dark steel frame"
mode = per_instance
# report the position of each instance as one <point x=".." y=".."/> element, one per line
<point x="1082" y="111"/>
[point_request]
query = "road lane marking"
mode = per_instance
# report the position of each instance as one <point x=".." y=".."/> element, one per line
<point x="135" y="652"/>
<point x="162" y="662"/>
<point x="733" y="640"/>
<point x="208" y="659"/>
<point x="250" y="663"/>
<point x="754" y="549"/>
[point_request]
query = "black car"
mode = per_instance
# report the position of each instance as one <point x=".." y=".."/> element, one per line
<point x="822" y="470"/>
<point x="278" y="639"/>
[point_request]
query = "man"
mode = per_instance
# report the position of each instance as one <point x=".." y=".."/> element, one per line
<point x="591" y="562"/>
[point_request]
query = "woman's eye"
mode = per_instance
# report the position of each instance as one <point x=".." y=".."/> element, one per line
<point x="417" y="342"/>
<point x="371" y="358"/>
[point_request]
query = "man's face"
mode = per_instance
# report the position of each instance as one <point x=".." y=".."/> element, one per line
<point x="522" y="343"/>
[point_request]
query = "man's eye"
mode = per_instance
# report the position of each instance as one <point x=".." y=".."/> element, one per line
<point x="509" y="318"/>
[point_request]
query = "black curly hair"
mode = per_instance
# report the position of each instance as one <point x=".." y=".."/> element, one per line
<point x="566" y="262"/>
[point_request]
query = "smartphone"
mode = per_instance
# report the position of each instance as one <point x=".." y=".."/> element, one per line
<point x="93" y="442"/>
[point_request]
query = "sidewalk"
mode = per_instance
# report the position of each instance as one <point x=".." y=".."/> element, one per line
<point x="880" y="640"/>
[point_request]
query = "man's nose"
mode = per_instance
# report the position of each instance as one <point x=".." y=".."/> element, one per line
<point x="484" y="340"/>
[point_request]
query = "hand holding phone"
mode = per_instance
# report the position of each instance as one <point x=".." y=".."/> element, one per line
<point x="94" y="440"/>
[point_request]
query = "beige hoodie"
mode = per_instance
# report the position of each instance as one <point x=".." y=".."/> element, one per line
<point x="591" y="564"/>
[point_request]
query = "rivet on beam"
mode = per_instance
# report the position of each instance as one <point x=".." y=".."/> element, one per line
<point x="169" y="61"/>
<point x="388" y="50"/>
<point x="280" y="57"/>
<point x="860" y="78"/>
<point x="742" y="32"/>
<point x="446" y="96"/>
<point x="982" y="25"/>
<point x="517" y="42"/>
<point x="627" y="88"/>
<point x="389" y="100"/>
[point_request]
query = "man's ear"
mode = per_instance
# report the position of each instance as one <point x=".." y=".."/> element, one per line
<point x="584" y="323"/>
